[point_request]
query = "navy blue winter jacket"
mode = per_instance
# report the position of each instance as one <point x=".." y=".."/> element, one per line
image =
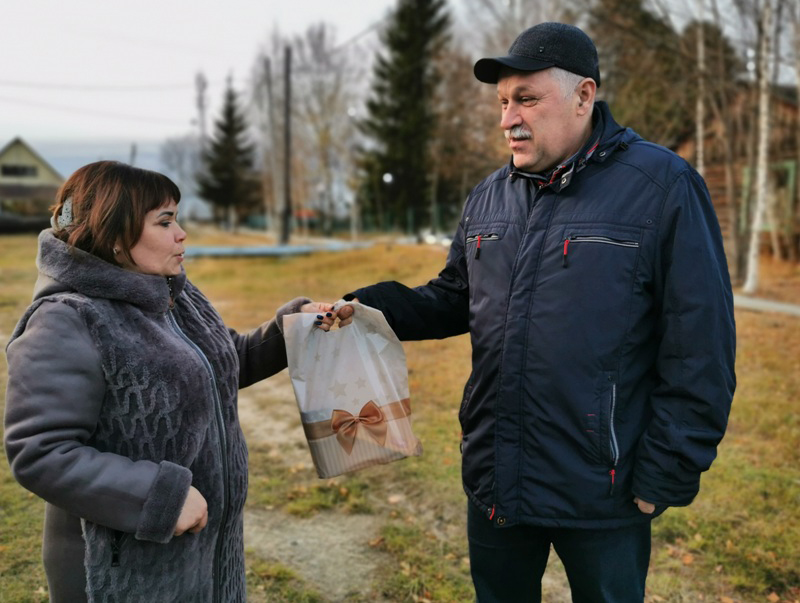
<point x="600" y="312"/>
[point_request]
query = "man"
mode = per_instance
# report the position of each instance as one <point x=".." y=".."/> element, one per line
<point x="591" y="277"/>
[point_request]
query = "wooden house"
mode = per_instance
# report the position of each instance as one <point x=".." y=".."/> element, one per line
<point x="783" y="219"/>
<point x="28" y="183"/>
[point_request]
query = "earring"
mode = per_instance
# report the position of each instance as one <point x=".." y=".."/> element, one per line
<point x="116" y="251"/>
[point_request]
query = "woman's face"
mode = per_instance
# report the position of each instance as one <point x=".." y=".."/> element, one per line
<point x="160" y="249"/>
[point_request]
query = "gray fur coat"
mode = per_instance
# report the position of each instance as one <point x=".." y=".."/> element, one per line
<point x="115" y="405"/>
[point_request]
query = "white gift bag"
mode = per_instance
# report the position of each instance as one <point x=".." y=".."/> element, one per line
<point x="351" y="386"/>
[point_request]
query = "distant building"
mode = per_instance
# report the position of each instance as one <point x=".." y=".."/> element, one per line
<point x="28" y="183"/>
<point x="784" y="167"/>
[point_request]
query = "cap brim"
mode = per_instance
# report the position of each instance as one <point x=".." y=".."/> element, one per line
<point x="488" y="70"/>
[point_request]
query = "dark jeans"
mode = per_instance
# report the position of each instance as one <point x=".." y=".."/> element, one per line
<point x="603" y="566"/>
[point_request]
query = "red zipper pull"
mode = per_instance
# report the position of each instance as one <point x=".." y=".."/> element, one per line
<point x="613" y="474"/>
<point x="478" y="248"/>
<point x="564" y="256"/>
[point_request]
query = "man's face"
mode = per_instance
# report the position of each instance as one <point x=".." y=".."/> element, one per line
<point x="541" y="126"/>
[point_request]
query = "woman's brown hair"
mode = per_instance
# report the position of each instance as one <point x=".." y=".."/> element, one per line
<point x="109" y="202"/>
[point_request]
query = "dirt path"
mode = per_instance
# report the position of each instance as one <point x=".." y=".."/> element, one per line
<point x="317" y="548"/>
<point x="329" y="550"/>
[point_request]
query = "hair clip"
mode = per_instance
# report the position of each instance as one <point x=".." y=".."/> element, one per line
<point x="65" y="217"/>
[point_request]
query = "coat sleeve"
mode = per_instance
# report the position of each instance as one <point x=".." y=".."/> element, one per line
<point x="435" y="310"/>
<point x="262" y="351"/>
<point x="54" y="395"/>
<point x="695" y="362"/>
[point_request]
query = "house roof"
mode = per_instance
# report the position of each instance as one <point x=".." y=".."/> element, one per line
<point x="32" y="151"/>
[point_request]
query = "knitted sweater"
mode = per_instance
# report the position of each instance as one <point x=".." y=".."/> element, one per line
<point x="116" y="404"/>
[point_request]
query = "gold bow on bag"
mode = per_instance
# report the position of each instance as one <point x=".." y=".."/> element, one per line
<point x="345" y="425"/>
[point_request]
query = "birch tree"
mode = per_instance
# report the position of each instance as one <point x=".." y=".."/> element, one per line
<point x="762" y="167"/>
<point x="794" y="245"/>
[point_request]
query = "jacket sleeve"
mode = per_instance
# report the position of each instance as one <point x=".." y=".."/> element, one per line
<point x="436" y="310"/>
<point x="695" y="362"/>
<point x="53" y="399"/>
<point x="262" y="351"/>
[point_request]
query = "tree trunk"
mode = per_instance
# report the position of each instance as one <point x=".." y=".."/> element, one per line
<point x="794" y="232"/>
<point x="701" y="92"/>
<point x="762" y="167"/>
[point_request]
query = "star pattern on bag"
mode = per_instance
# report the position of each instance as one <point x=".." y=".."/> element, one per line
<point x="338" y="389"/>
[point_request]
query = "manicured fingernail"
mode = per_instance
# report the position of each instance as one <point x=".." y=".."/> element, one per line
<point x="319" y="322"/>
<point x="328" y="314"/>
<point x="319" y="316"/>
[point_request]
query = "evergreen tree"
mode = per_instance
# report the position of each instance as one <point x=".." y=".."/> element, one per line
<point x="401" y="119"/>
<point x="227" y="180"/>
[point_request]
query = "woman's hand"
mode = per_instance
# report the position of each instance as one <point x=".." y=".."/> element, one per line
<point x="194" y="515"/>
<point x="324" y="312"/>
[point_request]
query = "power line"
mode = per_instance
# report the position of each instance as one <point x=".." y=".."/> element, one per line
<point x="93" y="113"/>
<point x="95" y="88"/>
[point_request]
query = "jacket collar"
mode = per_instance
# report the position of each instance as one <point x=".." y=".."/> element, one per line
<point x="64" y="268"/>
<point x="606" y="137"/>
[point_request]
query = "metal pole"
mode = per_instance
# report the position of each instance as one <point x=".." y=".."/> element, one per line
<point x="287" y="119"/>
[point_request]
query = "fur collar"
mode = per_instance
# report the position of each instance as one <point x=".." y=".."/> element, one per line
<point x="64" y="268"/>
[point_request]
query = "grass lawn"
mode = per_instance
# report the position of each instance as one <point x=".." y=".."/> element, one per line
<point x="738" y="542"/>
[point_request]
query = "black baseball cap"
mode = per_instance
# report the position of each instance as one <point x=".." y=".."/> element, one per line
<point x="543" y="46"/>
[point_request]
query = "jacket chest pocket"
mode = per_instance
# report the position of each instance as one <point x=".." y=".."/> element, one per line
<point x="482" y="241"/>
<point x="593" y="242"/>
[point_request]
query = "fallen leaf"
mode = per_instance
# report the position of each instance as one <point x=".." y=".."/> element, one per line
<point x="726" y="600"/>
<point x="773" y="598"/>
<point x="687" y="559"/>
<point x="395" y="499"/>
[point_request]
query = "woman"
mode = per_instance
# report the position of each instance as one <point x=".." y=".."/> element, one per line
<point x="121" y="404"/>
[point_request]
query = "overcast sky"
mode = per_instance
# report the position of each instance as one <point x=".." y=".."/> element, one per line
<point x="82" y="70"/>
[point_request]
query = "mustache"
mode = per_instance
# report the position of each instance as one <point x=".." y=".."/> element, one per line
<point x="518" y="132"/>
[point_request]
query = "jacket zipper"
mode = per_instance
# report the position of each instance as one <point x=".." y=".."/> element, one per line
<point x="614" y="445"/>
<point x="593" y="239"/>
<point x="223" y="445"/>
<point x="116" y="543"/>
<point x="481" y="237"/>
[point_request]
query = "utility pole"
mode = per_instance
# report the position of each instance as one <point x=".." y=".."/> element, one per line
<point x="287" y="130"/>
<point x="273" y="147"/>
<point x="201" y="83"/>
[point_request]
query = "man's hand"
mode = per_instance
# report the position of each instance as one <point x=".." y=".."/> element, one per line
<point x="345" y="314"/>
<point x="194" y="515"/>
<point x="644" y="507"/>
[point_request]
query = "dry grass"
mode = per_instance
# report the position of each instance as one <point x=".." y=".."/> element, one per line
<point x="737" y="542"/>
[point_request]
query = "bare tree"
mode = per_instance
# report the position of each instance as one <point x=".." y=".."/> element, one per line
<point x="766" y="48"/>
<point x="180" y="157"/>
<point x="266" y="99"/>
<point x="794" y="244"/>
<point x="505" y="19"/>
<point x="325" y="84"/>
